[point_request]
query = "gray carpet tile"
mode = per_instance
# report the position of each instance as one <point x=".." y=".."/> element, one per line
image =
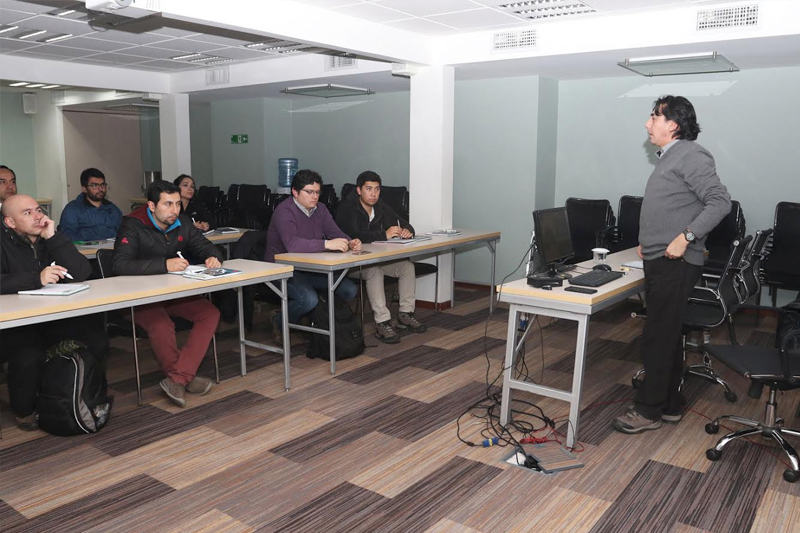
<point x="380" y="369"/>
<point x="346" y="508"/>
<point x="462" y="354"/>
<point x="94" y="509"/>
<point x="654" y="501"/>
<point x="727" y="496"/>
<point x="598" y="350"/>
<point x="9" y="517"/>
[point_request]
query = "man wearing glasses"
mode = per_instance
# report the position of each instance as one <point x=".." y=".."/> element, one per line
<point x="90" y="217"/>
<point x="300" y="225"/>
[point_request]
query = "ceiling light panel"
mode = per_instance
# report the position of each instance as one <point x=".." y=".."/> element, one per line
<point x="5" y="28"/>
<point x="547" y="9"/>
<point x="18" y="84"/>
<point x="702" y="63"/>
<point x="27" y="34"/>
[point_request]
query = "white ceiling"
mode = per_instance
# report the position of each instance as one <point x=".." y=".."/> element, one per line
<point x="450" y="17"/>
<point x="153" y="49"/>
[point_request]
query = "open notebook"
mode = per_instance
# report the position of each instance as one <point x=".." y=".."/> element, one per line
<point x="203" y="273"/>
<point x="57" y="289"/>
<point x="403" y="241"/>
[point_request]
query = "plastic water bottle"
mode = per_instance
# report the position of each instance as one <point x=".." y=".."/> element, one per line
<point x="287" y="167"/>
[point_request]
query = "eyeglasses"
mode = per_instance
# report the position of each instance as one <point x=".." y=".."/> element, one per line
<point x="95" y="186"/>
<point x="312" y="193"/>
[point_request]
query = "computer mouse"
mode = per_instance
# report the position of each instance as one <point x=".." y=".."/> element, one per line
<point x="602" y="267"/>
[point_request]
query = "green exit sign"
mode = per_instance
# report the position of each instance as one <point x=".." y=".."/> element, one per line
<point x="239" y="139"/>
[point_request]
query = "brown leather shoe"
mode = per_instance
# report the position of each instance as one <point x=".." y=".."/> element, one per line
<point x="199" y="385"/>
<point x="175" y="391"/>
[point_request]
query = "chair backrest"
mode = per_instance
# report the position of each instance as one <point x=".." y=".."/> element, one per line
<point x="728" y="286"/>
<point x="328" y="198"/>
<point x="730" y="228"/>
<point x="630" y="208"/>
<point x="208" y="196"/>
<point x="347" y="188"/>
<point x="787" y="225"/>
<point x="397" y="198"/>
<point x="748" y="277"/>
<point x="587" y="220"/>
<point x="104" y="257"/>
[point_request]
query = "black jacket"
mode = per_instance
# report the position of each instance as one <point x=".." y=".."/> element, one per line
<point x="197" y="211"/>
<point x="354" y="220"/>
<point x="22" y="261"/>
<point x="141" y="248"/>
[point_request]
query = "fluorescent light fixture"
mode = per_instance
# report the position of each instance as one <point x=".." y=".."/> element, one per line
<point x="327" y="91"/>
<point x="8" y="28"/>
<point x="204" y="59"/>
<point x="18" y="84"/>
<point x="58" y="38"/>
<point x="64" y="13"/>
<point x="35" y="85"/>
<point x="699" y="63"/>
<point x="543" y="9"/>
<point x="34" y="33"/>
<point x="186" y="56"/>
<point x="51" y="86"/>
<point x="218" y="61"/>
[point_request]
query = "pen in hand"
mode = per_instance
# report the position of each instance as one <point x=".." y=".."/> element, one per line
<point x="181" y="256"/>
<point x="67" y="274"/>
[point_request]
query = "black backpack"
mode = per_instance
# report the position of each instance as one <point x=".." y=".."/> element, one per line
<point x="789" y="319"/>
<point x="349" y="337"/>
<point x="73" y="398"/>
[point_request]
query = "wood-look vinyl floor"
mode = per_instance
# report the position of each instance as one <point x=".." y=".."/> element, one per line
<point x="374" y="448"/>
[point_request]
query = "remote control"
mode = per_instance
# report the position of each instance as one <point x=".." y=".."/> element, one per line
<point x="581" y="290"/>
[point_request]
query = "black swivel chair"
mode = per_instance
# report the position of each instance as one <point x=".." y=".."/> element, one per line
<point x="718" y="242"/>
<point x="104" y="257"/>
<point x="708" y="308"/>
<point x="781" y="269"/>
<point x="625" y="234"/>
<point x="588" y="221"/>
<point x="748" y="280"/>
<point x="779" y="369"/>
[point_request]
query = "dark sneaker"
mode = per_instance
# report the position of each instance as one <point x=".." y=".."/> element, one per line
<point x="385" y="333"/>
<point x="409" y="321"/>
<point x="28" y="423"/>
<point x="277" y="327"/>
<point x="175" y="391"/>
<point x="632" y="422"/>
<point x="672" y="418"/>
<point x="199" y="385"/>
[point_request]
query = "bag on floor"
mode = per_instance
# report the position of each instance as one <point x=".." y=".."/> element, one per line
<point x="73" y="399"/>
<point x="788" y="320"/>
<point x="349" y="337"/>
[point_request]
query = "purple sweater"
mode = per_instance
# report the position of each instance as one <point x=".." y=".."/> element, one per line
<point x="290" y="230"/>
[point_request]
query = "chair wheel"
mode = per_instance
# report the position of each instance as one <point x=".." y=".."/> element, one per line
<point x="714" y="455"/>
<point x="712" y="428"/>
<point x="730" y="396"/>
<point x="791" y="475"/>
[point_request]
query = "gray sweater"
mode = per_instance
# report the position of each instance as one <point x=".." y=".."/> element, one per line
<point x="683" y="192"/>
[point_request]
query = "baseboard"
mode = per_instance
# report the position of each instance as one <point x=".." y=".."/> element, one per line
<point x="443" y="306"/>
<point x="472" y="286"/>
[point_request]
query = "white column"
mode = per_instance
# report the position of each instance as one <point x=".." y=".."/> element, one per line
<point x="431" y="165"/>
<point x="176" y="155"/>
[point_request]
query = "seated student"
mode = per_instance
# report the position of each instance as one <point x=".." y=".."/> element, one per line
<point x="149" y="242"/>
<point x="33" y="254"/>
<point x="202" y="219"/>
<point x="363" y="215"/>
<point x="90" y="217"/>
<point x="303" y="225"/>
<point x="8" y="183"/>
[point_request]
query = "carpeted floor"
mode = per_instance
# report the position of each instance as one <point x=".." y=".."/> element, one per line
<point x="374" y="449"/>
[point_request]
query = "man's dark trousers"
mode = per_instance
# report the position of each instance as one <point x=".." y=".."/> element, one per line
<point x="668" y="285"/>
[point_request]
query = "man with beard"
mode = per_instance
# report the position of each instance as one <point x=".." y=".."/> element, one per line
<point x="90" y="217"/>
<point x="154" y="240"/>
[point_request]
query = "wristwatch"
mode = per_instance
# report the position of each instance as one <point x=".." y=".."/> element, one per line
<point x="689" y="234"/>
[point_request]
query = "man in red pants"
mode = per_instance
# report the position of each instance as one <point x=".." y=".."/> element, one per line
<point x="154" y="239"/>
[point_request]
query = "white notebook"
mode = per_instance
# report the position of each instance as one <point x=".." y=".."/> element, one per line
<point x="57" y="289"/>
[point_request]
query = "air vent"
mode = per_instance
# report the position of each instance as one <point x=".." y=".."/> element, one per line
<point x="514" y="40"/>
<point x="218" y="76"/>
<point x="727" y="17"/>
<point x="340" y="62"/>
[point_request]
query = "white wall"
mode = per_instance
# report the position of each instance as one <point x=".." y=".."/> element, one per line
<point x="16" y="141"/>
<point x="200" y="132"/>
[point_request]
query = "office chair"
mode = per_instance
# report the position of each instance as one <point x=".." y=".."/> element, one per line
<point x="748" y="280"/>
<point x="208" y="196"/>
<point x="588" y="220"/>
<point x="328" y="198"/>
<point x="104" y="257"/>
<point x="625" y="234"/>
<point x="253" y="206"/>
<point x="779" y="369"/>
<point x="708" y="308"/>
<point x="780" y="270"/>
<point x="718" y="242"/>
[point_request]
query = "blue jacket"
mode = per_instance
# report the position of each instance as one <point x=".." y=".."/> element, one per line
<point x="81" y="221"/>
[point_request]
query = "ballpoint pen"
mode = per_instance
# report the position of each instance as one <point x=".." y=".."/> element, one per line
<point x="181" y="256"/>
<point x="65" y="272"/>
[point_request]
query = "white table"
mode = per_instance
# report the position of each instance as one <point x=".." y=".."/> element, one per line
<point x="90" y="250"/>
<point x="558" y="303"/>
<point x="330" y="262"/>
<point x="129" y="291"/>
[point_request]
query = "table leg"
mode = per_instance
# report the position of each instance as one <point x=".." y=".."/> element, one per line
<point x="508" y="364"/>
<point x="242" y="354"/>
<point x="331" y="324"/>
<point x="453" y="280"/>
<point x="287" y="345"/>
<point x="136" y="358"/>
<point x="577" y="380"/>
<point x="436" y="287"/>
<point x="492" y="245"/>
